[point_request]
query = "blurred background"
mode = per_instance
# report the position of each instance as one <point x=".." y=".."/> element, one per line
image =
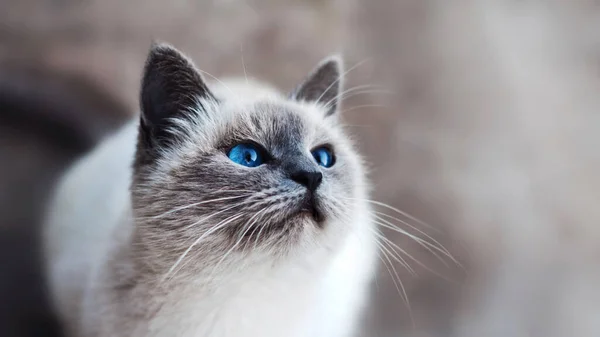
<point x="489" y="132"/>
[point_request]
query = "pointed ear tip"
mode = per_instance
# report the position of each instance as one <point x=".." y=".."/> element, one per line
<point x="336" y="59"/>
<point x="160" y="50"/>
<point x="159" y="45"/>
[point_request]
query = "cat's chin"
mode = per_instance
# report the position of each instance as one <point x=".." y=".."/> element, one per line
<point x="311" y="213"/>
<point x="309" y="208"/>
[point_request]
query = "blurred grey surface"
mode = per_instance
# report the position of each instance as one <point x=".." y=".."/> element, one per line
<point x="490" y="133"/>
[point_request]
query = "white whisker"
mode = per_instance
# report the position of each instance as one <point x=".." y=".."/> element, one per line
<point x="362" y="87"/>
<point x="394" y="254"/>
<point x="445" y="250"/>
<point x="339" y="78"/>
<point x="207" y="233"/>
<point x="425" y="244"/>
<point x="215" y="214"/>
<point x="428" y="246"/>
<point x="356" y="107"/>
<point x="177" y="209"/>
<point x="251" y="234"/>
<point x="218" y="80"/>
<point x="260" y="231"/>
<point x="358" y="90"/>
<point x="248" y="225"/>
<point x="399" y="285"/>
<point x="243" y="63"/>
<point x="258" y="236"/>
<point x="403" y="262"/>
<point x="410" y="217"/>
<point x="394" y="246"/>
<point x="357" y="125"/>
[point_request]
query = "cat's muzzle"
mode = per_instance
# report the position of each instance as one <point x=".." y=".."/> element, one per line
<point x="310" y="206"/>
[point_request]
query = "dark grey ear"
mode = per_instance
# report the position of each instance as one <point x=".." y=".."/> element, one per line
<point x="323" y="85"/>
<point x="171" y="85"/>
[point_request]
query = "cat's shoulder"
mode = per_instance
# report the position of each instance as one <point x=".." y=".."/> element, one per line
<point x="97" y="181"/>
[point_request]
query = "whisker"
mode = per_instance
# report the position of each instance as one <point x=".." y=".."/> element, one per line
<point x="254" y="231"/>
<point x="357" y="125"/>
<point x="243" y="63"/>
<point x="428" y="246"/>
<point x="399" y="285"/>
<point x="218" y="80"/>
<point x="445" y="250"/>
<point x="410" y="217"/>
<point x="361" y="87"/>
<point x="259" y="232"/>
<point x="247" y="226"/>
<point x="177" y="209"/>
<point x="432" y="248"/>
<point x="392" y="244"/>
<point x="398" y="250"/>
<point x="349" y="94"/>
<point x="395" y="255"/>
<point x="258" y="236"/>
<point x="260" y="214"/>
<point x="216" y="213"/>
<point x="425" y="244"/>
<point x="207" y="233"/>
<point x="365" y="106"/>
<point x="390" y="273"/>
<point x="340" y="77"/>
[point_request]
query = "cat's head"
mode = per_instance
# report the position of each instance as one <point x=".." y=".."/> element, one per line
<point x="240" y="169"/>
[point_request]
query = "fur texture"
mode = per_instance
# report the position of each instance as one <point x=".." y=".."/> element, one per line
<point x="158" y="233"/>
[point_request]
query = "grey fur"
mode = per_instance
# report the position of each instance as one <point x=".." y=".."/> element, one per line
<point x="197" y="220"/>
<point x="206" y="173"/>
<point x="323" y="85"/>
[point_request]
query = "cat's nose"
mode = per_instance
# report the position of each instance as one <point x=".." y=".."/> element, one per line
<point x="310" y="179"/>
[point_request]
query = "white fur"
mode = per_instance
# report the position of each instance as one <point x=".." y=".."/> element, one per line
<point x="313" y="295"/>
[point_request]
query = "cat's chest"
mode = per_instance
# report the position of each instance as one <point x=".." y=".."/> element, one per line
<point x="257" y="307"/>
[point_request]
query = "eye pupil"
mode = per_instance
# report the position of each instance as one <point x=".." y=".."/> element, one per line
<point x="323" y="156"/>
<point x="247" y="154"/>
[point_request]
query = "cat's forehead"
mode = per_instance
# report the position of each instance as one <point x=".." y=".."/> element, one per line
<point x="275" y="123"/>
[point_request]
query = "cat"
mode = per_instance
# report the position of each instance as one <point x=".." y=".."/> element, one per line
<point x="224" y="209"/>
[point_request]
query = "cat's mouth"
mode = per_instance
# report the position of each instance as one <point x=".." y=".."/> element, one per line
<point x="310" y="207"/>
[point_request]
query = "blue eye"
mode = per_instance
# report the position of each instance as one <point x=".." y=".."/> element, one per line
<point x="324" y="156"/>
<point x="247" y="154"/>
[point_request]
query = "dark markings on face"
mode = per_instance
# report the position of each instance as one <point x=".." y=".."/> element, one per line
<point x="261" y="206"/>
<point x="239" y="206"/>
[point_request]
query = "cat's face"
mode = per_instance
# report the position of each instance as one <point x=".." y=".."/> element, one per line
<point x="226" y="172"/>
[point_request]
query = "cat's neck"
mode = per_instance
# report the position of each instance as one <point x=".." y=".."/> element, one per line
<point x="278" y="294"/>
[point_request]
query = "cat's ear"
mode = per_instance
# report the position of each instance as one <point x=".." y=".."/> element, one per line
<point x="323" y="85"/>
<point x="171" y="86"/>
